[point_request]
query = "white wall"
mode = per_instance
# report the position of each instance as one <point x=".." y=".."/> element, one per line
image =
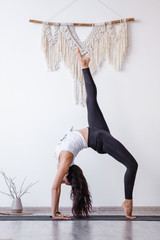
<point x="37" y="106"/>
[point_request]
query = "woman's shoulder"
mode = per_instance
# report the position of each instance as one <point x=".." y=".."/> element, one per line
<point x="65" y="155"/>
<point x="65" y="158"/>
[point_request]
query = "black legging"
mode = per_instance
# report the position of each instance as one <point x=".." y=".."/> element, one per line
<point x="100" y="139"/>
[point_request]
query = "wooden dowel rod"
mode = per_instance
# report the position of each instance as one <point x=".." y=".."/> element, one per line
<point x="84" y="24"/>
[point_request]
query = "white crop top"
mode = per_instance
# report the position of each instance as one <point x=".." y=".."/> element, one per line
<point x="73" y="141"/>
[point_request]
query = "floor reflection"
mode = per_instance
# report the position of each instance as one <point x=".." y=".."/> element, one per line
<point x="71" y="230"/>
<point x="92" y="230"/>
<point x="81" y="230"/>
<point x="127" y="231"/>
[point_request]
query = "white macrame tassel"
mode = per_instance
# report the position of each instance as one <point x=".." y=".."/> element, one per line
<point x="102" y="42"/>
<point x="49" y="47"/>
<point x="117" y="45"/>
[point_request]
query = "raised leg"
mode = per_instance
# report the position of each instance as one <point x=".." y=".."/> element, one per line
<point x="95" y="116"/>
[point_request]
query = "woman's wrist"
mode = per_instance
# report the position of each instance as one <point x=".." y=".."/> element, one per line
<point x="58" y="212"/>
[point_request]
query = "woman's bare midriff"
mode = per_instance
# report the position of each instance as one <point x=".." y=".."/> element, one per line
<point x="64" y="154"/>
<point x="84" y="133"/>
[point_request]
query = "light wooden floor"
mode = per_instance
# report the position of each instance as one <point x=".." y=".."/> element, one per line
<point x="83" y="230"/>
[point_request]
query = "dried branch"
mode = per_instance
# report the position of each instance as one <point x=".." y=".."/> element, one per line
<point x="27" y="188"/>
<point x="21" y="188"/>
<point x="13" y="186"/>
<point x="7" y="183"/>
<point x="6" y="194"/>
<point x="13" y="193"/>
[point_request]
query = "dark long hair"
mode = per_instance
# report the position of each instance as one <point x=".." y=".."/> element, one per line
<point x="79" y="193"/>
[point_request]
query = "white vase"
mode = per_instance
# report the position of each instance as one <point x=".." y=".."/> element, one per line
<point x="16" y="206"/>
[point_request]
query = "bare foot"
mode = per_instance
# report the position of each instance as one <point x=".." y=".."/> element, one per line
<point x="128" y="207"/>
<point x="84" y="61"/>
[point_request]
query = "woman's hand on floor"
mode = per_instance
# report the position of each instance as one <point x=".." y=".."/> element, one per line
<point x="62" y="216"/>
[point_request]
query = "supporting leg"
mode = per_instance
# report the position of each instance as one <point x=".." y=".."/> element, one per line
<point x="115" y="149"/>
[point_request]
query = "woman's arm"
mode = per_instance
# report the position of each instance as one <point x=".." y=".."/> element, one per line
<point x="55" y="201"/>
<point x="62" y="170"/>
<point x="59" y="192"/>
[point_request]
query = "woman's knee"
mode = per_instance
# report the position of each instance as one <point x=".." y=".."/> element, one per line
<point x="133" y="165"/>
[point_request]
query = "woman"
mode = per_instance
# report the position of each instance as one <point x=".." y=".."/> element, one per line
<point x="98" y="137"/>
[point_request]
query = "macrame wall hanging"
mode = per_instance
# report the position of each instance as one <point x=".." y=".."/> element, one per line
<point x="58" y="44"/>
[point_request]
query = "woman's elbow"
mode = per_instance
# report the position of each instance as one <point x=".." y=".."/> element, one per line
<point x="54" y="188"/>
